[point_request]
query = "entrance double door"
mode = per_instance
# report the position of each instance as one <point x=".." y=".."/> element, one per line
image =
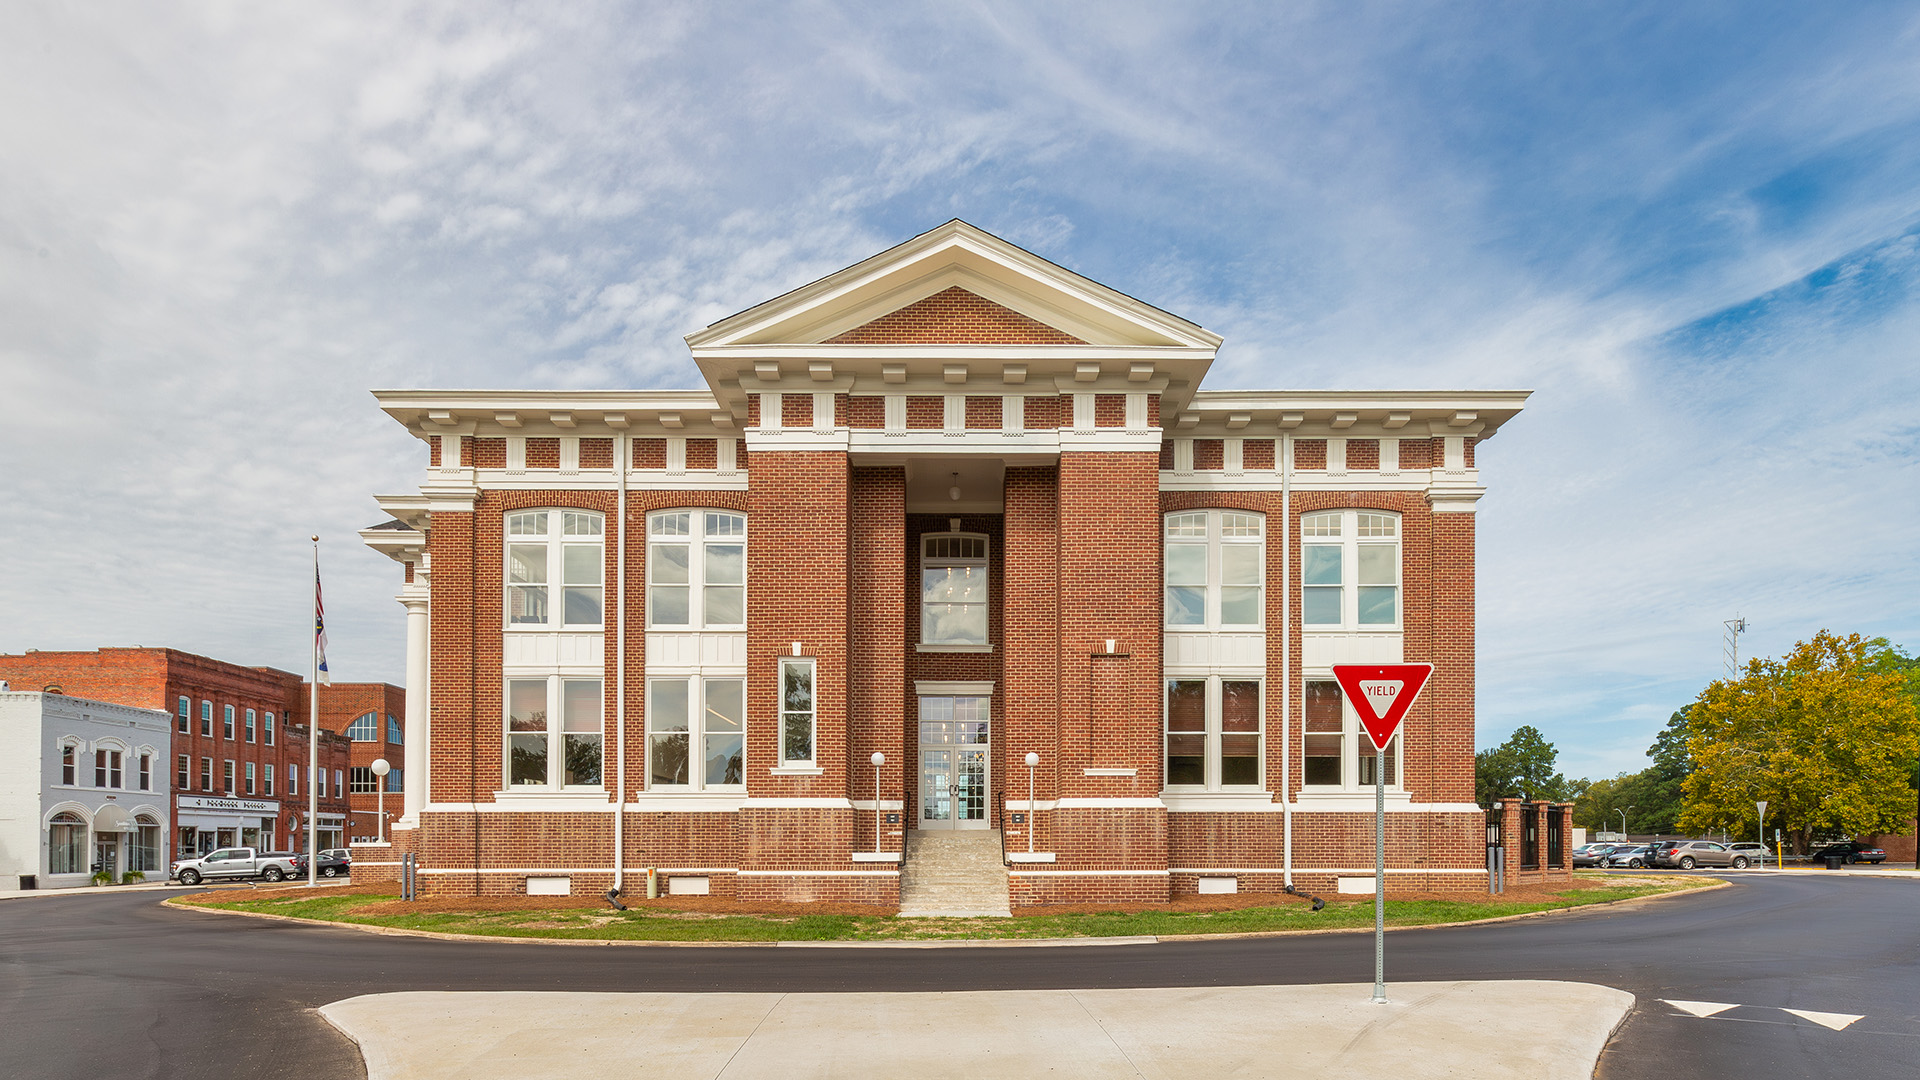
<point x="953" y="763"/>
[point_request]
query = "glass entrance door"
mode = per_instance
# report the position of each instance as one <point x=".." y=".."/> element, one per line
<point x="953" y="763"/>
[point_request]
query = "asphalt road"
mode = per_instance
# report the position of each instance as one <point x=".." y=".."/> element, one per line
<point x="113" y="984"/>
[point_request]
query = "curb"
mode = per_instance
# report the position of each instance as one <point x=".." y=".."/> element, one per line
<point x="923" y="943"/>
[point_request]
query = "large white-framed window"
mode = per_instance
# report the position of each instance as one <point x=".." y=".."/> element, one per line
<point x="253" y="718"/>
<point x="1350" y="570"/>
<point x="797" y="710"/>
<point x="1335" y="753"/>
<point x="106" y="768"/>
<point x="226" y="723"/>
<point x="1215" y="570"/>
<point x="206" y="719"/>
<point x="554" y="732"/>
<point x="146" y="772"/>
<point x="267" y="729"/>
<point x="393" y="731"/>
<point x="266" y="778"/>
<point x="696" y="570"/>
<point x="953" y="589"/>
<point x="696" y="733"/>
<point x="66" y="844"/>
<point x="365" y="728"/>
<point x="183" y="772"/>
<point x="249" y="777"/>
<point x="206" y="774"/>
<point x="226" y="777"/>
<point x="183" y="722"/>
<point x="1213" y="728"/>
<point x="69" y="764"/>
<point x="361" y="781"/>
<point x="556" y="569"/>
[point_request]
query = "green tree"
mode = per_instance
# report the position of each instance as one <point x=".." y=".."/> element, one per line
<point x="1523" y="765"/>
<point x="1827" y="735"/>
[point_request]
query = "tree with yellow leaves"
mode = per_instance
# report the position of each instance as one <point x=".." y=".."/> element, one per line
<point x="1826" y="735"/>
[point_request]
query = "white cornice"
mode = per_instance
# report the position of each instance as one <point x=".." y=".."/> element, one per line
<point x="1414" y="414"/>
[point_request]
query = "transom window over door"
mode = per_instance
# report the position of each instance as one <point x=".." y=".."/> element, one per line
<point x="953" y="589"/>
<point x="1350" y="570"/>
<point x="1215" y="570"/>
<point x="696" y="569"/>
<point x="555" y="569"/>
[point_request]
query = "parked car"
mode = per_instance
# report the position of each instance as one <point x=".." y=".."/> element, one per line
<point x="1852" y="851"/>
<point x="334" y="862"/>
<point x="1625" y="857"/>
<point x="1687" y="854"/>
<point x="1659" y="847"/>
<point x="242" y="862"/>
<point x="1593" y="854"/>
<point x="1756" y="854"/>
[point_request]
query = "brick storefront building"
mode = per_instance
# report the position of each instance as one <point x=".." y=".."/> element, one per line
<point x="371" y="716"/>
<point x="953" y="505"/>
<point x="238" y="760"/>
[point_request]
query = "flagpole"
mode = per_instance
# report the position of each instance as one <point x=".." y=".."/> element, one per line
<point x="313" y="732"/>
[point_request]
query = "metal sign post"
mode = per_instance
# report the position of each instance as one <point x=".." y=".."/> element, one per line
<point x="1381" y="694"/>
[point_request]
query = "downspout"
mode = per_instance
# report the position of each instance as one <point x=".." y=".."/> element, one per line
<point x="1286" y="658"/>
<point x="621" y="461"/>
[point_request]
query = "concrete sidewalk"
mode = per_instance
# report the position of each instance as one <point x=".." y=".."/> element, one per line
<point x="1522" y="1029"/>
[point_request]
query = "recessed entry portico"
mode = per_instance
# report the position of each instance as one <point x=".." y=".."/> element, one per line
<point x="954" y="753"/>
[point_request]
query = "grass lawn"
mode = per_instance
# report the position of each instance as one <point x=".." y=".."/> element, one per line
<point x="708" y="919"/>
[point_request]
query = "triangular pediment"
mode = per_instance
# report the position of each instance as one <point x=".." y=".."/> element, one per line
<point x="954" y="316"/>
<point x="956" y="284"/>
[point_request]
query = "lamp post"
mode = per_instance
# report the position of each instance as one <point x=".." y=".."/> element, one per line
<point x="1623" y="821"/>
<point x="879" y="759"/>
<point x="380" y="771"/>
<point x="1033" y="759"/>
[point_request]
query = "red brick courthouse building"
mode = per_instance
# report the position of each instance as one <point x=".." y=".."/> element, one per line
<point x="959" y="507"/>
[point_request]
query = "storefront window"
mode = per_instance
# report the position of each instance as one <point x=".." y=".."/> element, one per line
<point x="67" y="844"/>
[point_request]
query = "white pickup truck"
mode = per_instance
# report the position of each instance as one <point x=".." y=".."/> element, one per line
<point x="235" y="862"/>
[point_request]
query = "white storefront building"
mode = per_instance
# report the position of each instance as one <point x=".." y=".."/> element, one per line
<point x="83" y="790"/>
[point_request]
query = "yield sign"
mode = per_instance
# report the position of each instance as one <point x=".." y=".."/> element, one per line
<point x="1382" y="694"/>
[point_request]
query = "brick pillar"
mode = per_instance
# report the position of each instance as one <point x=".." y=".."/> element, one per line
<point x="797" y="591"/>
<point x="1030" y="671"/>
<point x="1110" y="718"/>
<point x="876" y="691"/>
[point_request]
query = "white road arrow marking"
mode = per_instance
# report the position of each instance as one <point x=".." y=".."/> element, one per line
<point x="1836" y="1021"/>
<point x="1700" y="1008"/>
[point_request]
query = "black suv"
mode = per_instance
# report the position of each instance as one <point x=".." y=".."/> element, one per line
<point x="1851" y="851"/>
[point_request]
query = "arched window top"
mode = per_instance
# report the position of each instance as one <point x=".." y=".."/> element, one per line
<point x="67" y="817"/>
<point x="365" y="728"/>
<point x="146" y="818"/>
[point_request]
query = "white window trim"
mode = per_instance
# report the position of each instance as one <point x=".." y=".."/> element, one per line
<point x="1351" y="734"/>
<point x="1216" y="544"/>
<point x="556" y="736"/>
<point x="696" y="735"/>
<point x="1350" y="542"/>
<point x="696" y="542"/>
<point x="1215" y="720"/>
<point x="556" y="543"/>
<point x="984" y="563"/>
<point x="812" y="714"/>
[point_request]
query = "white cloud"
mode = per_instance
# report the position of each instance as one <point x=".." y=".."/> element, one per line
<point x="221" y="224"/>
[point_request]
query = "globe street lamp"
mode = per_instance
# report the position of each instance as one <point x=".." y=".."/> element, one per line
<point x="878" y="760"/>
<point x="1032" y="760"/>
<point x="380" y="771"/>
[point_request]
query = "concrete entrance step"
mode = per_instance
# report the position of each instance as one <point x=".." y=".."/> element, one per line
<point x="956" y="874"/>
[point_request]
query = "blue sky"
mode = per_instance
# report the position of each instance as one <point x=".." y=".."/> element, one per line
<point x="1693" y="233"/>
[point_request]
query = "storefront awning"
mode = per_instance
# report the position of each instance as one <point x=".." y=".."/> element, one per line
<point x="110" y="818"/>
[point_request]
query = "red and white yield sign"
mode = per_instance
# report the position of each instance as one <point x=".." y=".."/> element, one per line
<point x="1382" y="694"/>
